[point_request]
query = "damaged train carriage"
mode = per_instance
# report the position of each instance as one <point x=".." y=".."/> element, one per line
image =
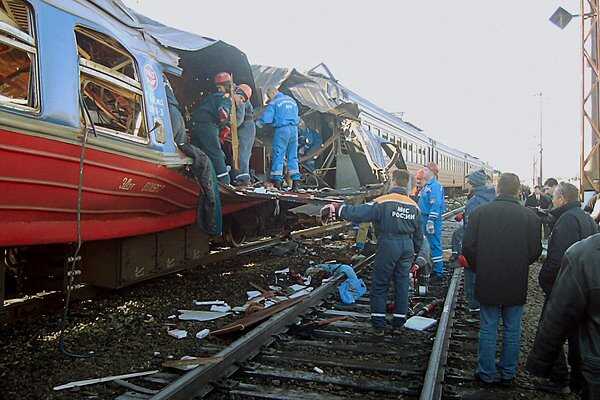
<point x="82" y="83"/>
<point x="350" y="156"/>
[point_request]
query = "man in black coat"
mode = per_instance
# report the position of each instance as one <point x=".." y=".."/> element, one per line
<point x="501" y="240"/>
<point x="538" y="199"/>
<point x="574" y="306"/>
<point x="572" y="225"/>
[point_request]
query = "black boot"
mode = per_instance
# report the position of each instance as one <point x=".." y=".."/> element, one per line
<point x="295" y="186"/>
<point x="277" y="184"/>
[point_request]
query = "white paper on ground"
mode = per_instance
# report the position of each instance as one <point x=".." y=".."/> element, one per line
<point x="177" y="333"/>
<point x="419" y="323"/>
<point x="297" y="287"/>
<point x="275" y="288"/>
<point x="220" y="308"/>
<point x="209" y="303"/>
<point x="203" y="333"/>
<point x="301" y="292"/>
<point x="192" y="315"/>
<point x="252" y="294"/>
<point x="283" y="271"/>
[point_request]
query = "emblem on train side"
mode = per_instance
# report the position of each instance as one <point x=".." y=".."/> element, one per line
<point x="127" y="184"/>
<point x="151" y="76"/>
<point x="152" y="187"/>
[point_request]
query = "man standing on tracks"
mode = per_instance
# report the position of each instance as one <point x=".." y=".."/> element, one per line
<point x="501" y="240"/>
<point x="399" y="238"/>
<point x="573" y="311"/>
<point x="481" y="194"/>
<point x="432" y="205"/>
<point x="282" y="114"/>
<point x="208" y="118"/>
<point x="572" y="225"/>
<point x="246" y="134"/>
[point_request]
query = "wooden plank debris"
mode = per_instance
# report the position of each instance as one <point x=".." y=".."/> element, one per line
<point x="94" y="381"/>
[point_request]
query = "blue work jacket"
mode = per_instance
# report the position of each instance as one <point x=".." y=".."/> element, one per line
<point x="281" y="111"/>
<point x="431" y="200"/>
<point x="208" y="109"/>
<point x="481" y="195"/>
<point x="394" y="214"/>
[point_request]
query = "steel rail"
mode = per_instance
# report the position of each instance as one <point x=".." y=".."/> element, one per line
<point x="197" y="382"/>
<point x="432" y="386"/>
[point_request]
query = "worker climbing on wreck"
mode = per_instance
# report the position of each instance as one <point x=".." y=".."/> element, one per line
<point x="309" y="141"/>
<point x="246" y="134"/>
<point x="282" y="114"/>
<point x="399" y="238"/>
<point x="432" y="205"/>
<point x="208" y="119"/>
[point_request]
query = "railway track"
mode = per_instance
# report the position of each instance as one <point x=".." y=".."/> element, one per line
<point x="321" y="349"/>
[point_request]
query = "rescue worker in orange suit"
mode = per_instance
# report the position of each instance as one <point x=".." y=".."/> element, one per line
<point x="208" y="119"/>
<point x="399" y="238"/>
<point x="432" y="206"/>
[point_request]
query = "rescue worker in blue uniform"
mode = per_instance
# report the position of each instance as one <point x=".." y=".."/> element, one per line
<point x="246" y="135"/>
<point x="432" y="205"/>
<point x="399" y="239"/>
<point x="208" y="118"/>
<point x="282" y="114"/>
<point x="309" y="141"/>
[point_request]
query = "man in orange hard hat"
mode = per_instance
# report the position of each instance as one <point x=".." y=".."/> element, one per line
<point x="208" y="119"/>
<point x="246" y="134"/>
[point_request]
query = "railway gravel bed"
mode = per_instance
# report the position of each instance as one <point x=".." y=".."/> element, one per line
<point x="127" y="329"/>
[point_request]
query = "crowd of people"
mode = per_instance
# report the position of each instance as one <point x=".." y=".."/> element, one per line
<point x="212" y="119"/>
<point x="500" y="239"/>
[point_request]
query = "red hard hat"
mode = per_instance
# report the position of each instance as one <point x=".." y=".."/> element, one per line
<point x="223" y="77"/>
<point x="247" y="90"/>
<point x="433" y="167"/>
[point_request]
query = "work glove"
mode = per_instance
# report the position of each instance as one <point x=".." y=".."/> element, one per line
<point x="414" y="269"/>
<point x="330" y="212"/>
<point x="223" y="115"/>
<point x="430" y="228"/>
<point x="459" y="217"/>
<point x="224" y="134"/>
<point x="462" y="262"/>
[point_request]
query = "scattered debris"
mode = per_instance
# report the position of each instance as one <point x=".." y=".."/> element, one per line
<point x="220" y="308"/>
<point x="100" y="380"/>
<point x="203" y="333"/>
<point x="177" y="333"/>
<point x="301" y="293"/>
<point x="252" y="294"/>
<point x="419" y="323"/>
<point x="156" y="354"/>
<point x="283" y="271"/>
<point x="191" y="315"/>
<point x="188" y="362"/>
<point x="297" y="287"/>
<point x="209" y="303"/>
<point x="284" y="248"/>
<point x="318" y="370"/>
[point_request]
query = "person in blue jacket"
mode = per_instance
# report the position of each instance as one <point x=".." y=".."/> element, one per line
<point x="480" y="194"/>
<point x="399" y="239"/>
<point x="432" y="205"/>
<point x="282" y="114"/>
<point x="309" y="141"/>
<point x="212" y="114"/>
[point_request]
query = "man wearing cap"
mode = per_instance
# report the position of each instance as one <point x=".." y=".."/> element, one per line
<point x="480" y="194"/>
<point x="282" y="114"/>
<point x="208" y="118"/>
<point x="432" y="206"/>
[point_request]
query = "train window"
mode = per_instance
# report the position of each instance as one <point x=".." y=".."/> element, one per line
<point x="18" y="74"/>
<point x="110" y="87"/>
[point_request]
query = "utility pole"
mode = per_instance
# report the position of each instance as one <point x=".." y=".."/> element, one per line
<point x="540" y="179"/>
<point x="534" y="172"/>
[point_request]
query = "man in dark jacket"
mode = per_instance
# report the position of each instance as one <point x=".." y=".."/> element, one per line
<point x="399" y="238"/>
<point x="538" y="199"/>
<point x="501" y="240"/>
<point x="574" y="306"/>
<point x="572" y="225"/>
<point x="481" y="194"/>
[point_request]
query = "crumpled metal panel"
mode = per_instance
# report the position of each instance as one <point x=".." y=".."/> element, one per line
<point x="312" y="92"/>
<point x="371" y="144"/>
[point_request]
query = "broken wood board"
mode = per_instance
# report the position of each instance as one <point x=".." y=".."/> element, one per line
<point x="94" y="381"/>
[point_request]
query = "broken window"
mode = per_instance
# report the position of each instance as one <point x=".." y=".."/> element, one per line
<point x="18" y="83"/>
<point x="110" y="86"/>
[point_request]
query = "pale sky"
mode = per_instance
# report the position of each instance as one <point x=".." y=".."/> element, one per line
<point x="465" y="71"/>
